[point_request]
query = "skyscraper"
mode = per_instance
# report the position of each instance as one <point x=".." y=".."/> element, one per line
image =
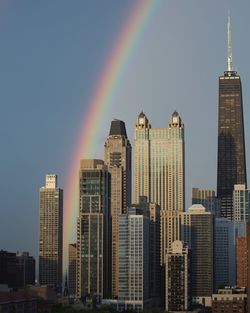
<point x="231" y="142"/>
<point x="170" y="223"/>
<point x="152" y="211"/>
<point x="93" y="231"/>
<point x="177" y="278"/>
<point x="197" y="227"/>
<point x="134" y="260"/>
<point x="51" y="233"/>
<point x="159" y="172"/>
<point x="224" y="253"/>
<point x="118" y="161"/>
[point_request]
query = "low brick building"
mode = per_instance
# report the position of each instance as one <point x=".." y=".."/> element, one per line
<point x="17" y="302"/>
<point x="230" y="300"/>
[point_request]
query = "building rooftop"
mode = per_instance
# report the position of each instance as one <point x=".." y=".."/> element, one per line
<point x="117" y="128"/>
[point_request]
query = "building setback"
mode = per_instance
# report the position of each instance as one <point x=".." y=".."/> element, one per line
<point x="93" y="231"/>
<point x="118" y="160"/>
<point x="51" y="233"/>
<point x="231" y="164"/>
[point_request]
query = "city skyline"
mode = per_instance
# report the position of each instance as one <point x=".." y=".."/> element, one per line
<point x="32" y="156"/>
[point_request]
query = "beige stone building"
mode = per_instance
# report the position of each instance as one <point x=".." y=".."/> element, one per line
<point x="159" y="172"/>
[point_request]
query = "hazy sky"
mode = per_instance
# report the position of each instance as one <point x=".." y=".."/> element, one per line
<point x="51" y="56"/>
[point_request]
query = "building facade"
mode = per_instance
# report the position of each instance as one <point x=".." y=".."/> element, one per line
<point x="231" y="164"/>
<point x="159" y="172"/>
<point x="118" y="160"/>
<point x="134" y="260"/>
<point x="230" y="300"/>
<point x="177" y="278"/>
<point x="72" y="269"/>
<point x="241" y="203"/>
<point x="197" y="230"/>
<point x="241" y="261"/>
<point x="17" y="270"/>
<point x="224" y="253"/>
<point x="152" y="211"/>
<point x="51" y="233"/>
<point x="93" y="231"/>
<point x="207" y="198"/>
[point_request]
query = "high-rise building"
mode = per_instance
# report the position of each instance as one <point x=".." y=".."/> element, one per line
<point x="134" y="259"/>
<point x="93" y="231"/>
<point x="159" y="172"/>
<point x="152" y="211"/>
<point x="51" y="233"/>
<point x="231" y="164"/>
<point x="177" y="278"/>
<point x="241" y="203"/>
<point x="207" y="198"/>
<point x="197" y="228"/>
<point x="72" y="269"/>
<point x="118" y="161"/>
<point x="224" y="253"/>
<point x="170" y="225"/>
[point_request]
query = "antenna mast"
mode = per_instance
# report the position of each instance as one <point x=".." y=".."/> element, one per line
<point x="229" y="46"/>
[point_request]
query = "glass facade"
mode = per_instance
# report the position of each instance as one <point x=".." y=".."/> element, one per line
<point x="93" y="264"/>
<point x="231" y="166"/>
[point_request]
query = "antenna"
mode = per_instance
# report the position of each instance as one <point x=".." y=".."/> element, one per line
<point x="229" y="46"/>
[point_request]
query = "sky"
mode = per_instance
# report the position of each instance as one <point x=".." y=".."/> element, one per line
<point x="52" y="54"/>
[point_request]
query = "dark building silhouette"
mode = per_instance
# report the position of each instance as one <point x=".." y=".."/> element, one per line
<point x="17" y="270"/>
<point x="231" y="143"/>
<point x="72" y="269"/>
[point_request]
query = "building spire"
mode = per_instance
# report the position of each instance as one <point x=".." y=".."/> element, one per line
<point x="229" y="46"/>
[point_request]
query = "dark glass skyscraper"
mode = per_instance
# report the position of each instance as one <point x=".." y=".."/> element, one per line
<point x="231" y="143"/>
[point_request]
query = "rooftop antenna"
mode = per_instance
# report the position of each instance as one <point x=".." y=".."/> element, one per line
<point x="229" y="45"/>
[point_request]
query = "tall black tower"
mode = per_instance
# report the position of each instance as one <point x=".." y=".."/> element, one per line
<point x="231" y="142"/>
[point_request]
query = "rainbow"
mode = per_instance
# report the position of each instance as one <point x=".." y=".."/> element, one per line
<point x="123" y="47"/>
